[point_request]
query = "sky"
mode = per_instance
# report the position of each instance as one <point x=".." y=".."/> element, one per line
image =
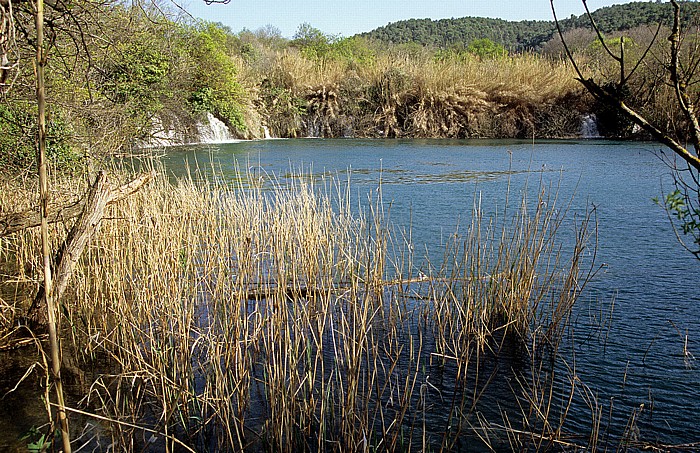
<point x="349" y="17"/>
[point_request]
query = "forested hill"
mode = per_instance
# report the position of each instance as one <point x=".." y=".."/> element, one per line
<point x="524" y="35"/>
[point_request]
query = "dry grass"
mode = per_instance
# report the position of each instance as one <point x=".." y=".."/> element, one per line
<point x="265" y="316"/>
<point x="20" y="263"/>
<point x="402" y="95"/>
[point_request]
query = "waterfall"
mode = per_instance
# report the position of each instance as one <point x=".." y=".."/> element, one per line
<point x="215" y="131"/>
<point x="589" y="126"/>
<point x="266" y="131"/>
<point x="314" y="129"/>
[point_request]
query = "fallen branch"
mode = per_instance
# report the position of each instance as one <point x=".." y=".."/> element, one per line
<point x="18" y="221"/>
<point x="100" y="195"/>
<point x="265" y="290"/>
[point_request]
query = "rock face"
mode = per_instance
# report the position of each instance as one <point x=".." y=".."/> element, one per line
<point x="466" y="115"/>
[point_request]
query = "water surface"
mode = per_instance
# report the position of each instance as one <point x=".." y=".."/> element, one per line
<point x="430" y="187"/>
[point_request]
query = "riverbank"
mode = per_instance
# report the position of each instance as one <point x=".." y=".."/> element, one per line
<point x="400" y="95"/>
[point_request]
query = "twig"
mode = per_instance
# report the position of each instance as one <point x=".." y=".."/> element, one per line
<point x="130" y="425"/>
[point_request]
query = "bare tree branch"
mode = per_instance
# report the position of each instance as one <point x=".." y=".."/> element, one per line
<point x="614" y="99"/>
<point x="680" y="86"/>
<point x="600" y="35"/>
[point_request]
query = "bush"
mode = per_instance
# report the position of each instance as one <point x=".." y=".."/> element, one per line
<point x="484" y="48"/>
<point x="138" y="76"/>
<point x="215" y="87"/>
<point x="18" y="132"/>
<point x="17" y="140"/>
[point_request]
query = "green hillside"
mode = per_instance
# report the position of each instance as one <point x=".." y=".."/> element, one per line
<point x="524" y="35"/>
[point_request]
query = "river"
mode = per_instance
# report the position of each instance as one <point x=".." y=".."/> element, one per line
<point x="644" y="293"/>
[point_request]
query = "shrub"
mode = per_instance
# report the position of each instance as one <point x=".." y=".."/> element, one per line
<point x="484" y="48"/>
<point x="138" y="76"/>
<point x="215" y="87"/>
<point x="18" y="131"/>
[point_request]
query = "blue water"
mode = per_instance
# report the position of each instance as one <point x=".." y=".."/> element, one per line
<point x="645" y="292"/>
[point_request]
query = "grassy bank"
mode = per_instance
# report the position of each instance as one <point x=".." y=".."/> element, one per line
<point x="403" y="94"/>
<point x="247" y="317"/>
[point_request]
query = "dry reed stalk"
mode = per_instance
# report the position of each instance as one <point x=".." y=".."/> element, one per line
<point x="334" y="350"/>
<point x="397" y="94"/>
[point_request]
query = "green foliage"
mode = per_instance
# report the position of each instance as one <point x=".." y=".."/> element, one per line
<point x="317" y="46"/>
<point x="58" y="147"/>
<point x="355" y="50"/>
<point x="445" y="33"/>
<point x="525" y="35"/>
<point x="612" y="43"/>
<point x="18" y="131"/>
<point x="484" y="48"/>
<point x="202" y="100"/>
<point x="687" y="217"/>
<point x="138" y="76"/>
<point x="312" y="43"/>
<point x="308" y="36"/>
<point x="249" y="52"/>
<point x="630" y="15"/>
<point x="17" y="140"/>
<point x="215" y="87"/>
<point x="282" y="97"/>
<point x="37" y="441"/>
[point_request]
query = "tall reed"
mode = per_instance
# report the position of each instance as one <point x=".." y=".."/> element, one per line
<point x="399" y="94"/>
<point x="261" y="315"/>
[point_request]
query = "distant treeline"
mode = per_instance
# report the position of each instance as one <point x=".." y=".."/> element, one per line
<point x="526" y="35"/>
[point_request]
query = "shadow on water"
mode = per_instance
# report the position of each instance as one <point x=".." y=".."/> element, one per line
<point x="24" y="420"/>
<point x="21" y="405"/>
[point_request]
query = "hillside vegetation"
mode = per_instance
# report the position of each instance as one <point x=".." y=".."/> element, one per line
<point x="519" y="36"/>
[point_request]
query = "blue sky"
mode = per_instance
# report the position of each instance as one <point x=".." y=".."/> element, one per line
<point x="348" y="17"/>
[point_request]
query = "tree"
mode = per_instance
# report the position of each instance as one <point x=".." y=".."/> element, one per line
<point x="679" y="70"/>
<point x="308" y="36"/>
<point x="484" y="48"/>
<point x="215" y="87"/>
<point x="39" y="32"/>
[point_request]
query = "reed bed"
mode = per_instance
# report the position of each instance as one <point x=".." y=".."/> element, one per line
<point x="20" y="263"/>
<point x="260" y="315"/>
<point x="399" y="94"/>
